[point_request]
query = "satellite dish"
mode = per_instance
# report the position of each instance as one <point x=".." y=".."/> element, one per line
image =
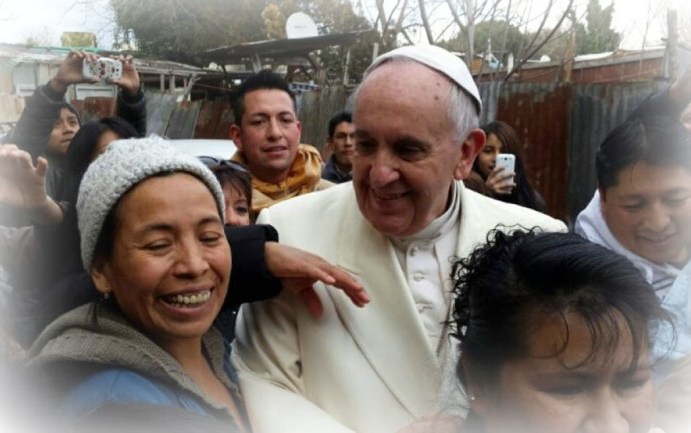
<point x="300" y="25"/>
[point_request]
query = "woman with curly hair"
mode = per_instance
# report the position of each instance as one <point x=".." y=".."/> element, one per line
<point x="554" y="337"/>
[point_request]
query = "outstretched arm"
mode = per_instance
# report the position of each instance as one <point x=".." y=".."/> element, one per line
<point x="262" y="267"/>
<point x="43" y="107"/>
<point x="300" y="270"/>
<point x="22" y="185"/>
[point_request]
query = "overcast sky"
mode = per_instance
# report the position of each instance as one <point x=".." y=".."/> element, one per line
<point x="47" y="19"/>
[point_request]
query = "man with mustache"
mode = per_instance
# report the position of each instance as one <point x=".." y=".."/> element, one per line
<point x="266" y="132"/>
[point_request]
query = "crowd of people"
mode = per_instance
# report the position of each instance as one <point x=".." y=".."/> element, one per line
<point x="407" y="283"/>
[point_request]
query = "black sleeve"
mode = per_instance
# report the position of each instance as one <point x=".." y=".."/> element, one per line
<point x="132" y="109"/>
<point x="249" y="279"/>
<point x="32" y="131"/>
<point x="659" y="104"/>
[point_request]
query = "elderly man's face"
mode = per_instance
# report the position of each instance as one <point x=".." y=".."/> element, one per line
<point x="405" y="153"/>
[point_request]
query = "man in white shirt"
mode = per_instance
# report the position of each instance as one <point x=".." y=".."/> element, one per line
<point x="397" y="228"/>
<point x="642" y="208"/>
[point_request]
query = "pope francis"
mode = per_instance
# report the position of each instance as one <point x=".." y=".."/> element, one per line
<point x="397" y="227"/>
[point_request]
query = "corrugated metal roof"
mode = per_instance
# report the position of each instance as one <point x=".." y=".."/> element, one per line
<point x="282" y="47"/>
<point x="12" y="55"/>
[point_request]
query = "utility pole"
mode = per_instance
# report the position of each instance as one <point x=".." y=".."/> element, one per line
<point x="672" y="44"/>
<point x="570" y="54"/>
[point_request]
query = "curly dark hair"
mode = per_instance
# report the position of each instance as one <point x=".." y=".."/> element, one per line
<point x="502" y="285"/>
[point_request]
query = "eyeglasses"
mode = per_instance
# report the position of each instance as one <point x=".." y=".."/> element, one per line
<point x="216" y="164"/>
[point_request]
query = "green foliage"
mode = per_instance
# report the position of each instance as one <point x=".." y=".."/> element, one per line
<point x="179" y="30"/>
<point x="274" y="21"/>
<point x="597" y="35"/>
<point x="331" y="16"/>
<point x="505" y="38"/>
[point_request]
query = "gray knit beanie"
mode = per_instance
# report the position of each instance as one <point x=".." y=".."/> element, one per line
<point x="124" y="164"/>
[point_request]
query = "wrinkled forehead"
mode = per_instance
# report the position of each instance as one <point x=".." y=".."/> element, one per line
<point x="405" y="81"/>
<point x="406" y="70"/>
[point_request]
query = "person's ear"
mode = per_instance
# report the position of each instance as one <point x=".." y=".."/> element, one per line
<point x="234" y="132"/>
<point x="327" y="150"/>
<point x="603" y="194"/>
<point x="99" y="276"/>
<point x="469" y="150"/>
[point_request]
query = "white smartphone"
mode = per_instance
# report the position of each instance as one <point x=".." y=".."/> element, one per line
<point x="103" y="68"/>
<point x="506" y="160"/>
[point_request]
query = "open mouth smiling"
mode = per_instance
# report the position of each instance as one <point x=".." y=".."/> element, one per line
<point x="188" y="300"/>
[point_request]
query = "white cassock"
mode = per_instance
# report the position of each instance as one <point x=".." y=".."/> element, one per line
<point x="369" y="370"/>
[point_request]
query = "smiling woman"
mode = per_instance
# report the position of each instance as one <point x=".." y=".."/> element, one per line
<point x="162" y="263"/>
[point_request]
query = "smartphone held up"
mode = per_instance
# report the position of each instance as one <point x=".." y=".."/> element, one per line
<point x="508" y="161"/>
<point x="102" y="69"/>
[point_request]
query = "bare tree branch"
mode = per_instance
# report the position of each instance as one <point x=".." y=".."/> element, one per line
<point x="401" y="16"/>
<point x="524" y="59"/>
<point x="542" y="24"/>
<point x="425" y="21"/>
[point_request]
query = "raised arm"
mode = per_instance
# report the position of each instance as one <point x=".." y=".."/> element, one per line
<point x="670" y="102"/>
<point x="42" y="110"/>
<point x="23" y="186"/>
<point x="131" y="104"/>
<point x="262" y="267"/>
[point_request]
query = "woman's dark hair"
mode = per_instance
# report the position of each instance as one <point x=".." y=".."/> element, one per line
<point x="239" y="180"/>
<point x="653" y="140"/>
<point x="523" y="194"/>
<point x="79" y="155"/>
<point x="231" y="173"/>
<point x="502" y="286"/>
<point x="82" y="149"/>
<point x="508" y="136"/>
